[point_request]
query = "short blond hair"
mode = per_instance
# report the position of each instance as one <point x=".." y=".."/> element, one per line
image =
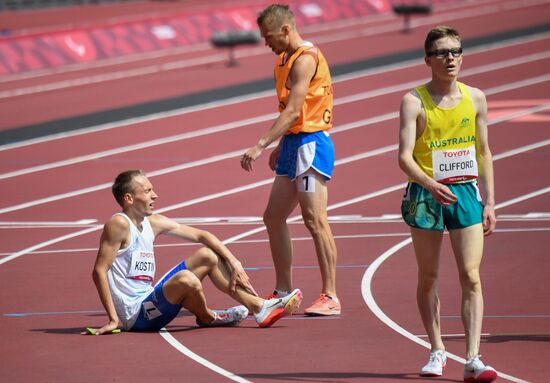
<point x="276" y="15"/>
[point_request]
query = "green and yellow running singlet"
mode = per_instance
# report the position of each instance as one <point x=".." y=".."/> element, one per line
<point x="446" y="151"/>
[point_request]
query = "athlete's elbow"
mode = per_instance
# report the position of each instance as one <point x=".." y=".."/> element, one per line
<point x="402" y="161"/>
<point x="98" y="274"/>
<point x="95" y="276"/>
<point x="292" y="114"/>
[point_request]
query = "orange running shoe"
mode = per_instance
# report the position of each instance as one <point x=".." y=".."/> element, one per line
<point x="324" y="305"/>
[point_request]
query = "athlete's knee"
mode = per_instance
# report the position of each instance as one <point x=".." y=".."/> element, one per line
<point x="315" y="223"/>
<point x="186" y="280"/>
<point x="427" y="280"/>
<point x="273" y="218"/>
<point x="470" y="280"/>
<point x="206" y="257"/>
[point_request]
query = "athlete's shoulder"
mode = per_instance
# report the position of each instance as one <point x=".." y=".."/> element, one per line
<point x="474" y="92"/>
<point x="116" y="228"/>
<point x="411" y="99"/>
<point x="478" y="97"/>
<point x="118" y="221"/>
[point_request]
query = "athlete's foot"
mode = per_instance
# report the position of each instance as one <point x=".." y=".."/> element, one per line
<point x="324" y="305"/>
<point x="277" y="308"/>
<point x="230" y="317"/>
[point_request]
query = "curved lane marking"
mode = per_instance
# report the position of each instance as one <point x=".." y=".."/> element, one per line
<point x="366" y="290"/>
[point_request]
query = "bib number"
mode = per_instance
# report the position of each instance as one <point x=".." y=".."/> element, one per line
<point x="150" y="311"/>
<point x="454" y="165"/>
<point x="142" y="267"/>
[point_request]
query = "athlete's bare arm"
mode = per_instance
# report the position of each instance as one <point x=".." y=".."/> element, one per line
<point x="114" y="237"/>
<point x="485" y="160"/>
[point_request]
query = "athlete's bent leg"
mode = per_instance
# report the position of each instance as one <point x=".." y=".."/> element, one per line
<point x="427" y="245"/>
<point x="206" y="262"/>
<point x="185" y="288"/>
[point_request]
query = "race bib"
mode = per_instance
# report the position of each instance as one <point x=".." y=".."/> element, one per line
<point x="150" y="311"/>
<point x="454" y="165"/>
<point x="142" y="267"/>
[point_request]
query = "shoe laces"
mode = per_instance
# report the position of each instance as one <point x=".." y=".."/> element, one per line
<point x="475" y="362"/>
<point x="436" y="357"/>
<point x="324" y="298"/>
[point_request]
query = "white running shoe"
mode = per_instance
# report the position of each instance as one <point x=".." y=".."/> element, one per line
<point x="276" y="308"/>
<point x="230" y="317"/>
<point x="476" y="371"/>
<point x="436" y="364"/>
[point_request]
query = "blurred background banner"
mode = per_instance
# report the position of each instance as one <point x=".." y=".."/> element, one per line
<point x="25" y="47"/>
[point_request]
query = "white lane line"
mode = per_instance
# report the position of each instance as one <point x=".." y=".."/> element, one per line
<point x="523" y="198"/>
<point x="366" y="289"/>
<point x="254" y="96"/>
<point x="161" y="210"/>
<point x="180" y="347"/>
<point x="168" y="337"/>
<point x="206" y="161"/>
<point x="80" y="222"/>
<point x="199" y="359"/>
<point x="248" y="187"/>
<point x="294" y="239"/>
<point x="270" y="116"/>
<point x="254" y="185"/>
<point x="48" y="243"/>
<point x="210" y="160"/>
<point x="143" y="145"/>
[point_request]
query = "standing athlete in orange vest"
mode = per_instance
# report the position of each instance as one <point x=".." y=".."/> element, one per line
<point x="304" y="158"/>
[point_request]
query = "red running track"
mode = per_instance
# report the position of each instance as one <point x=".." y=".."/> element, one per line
<point x="56" y="196"/>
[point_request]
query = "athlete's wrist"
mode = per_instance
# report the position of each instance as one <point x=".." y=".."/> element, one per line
<point x="430" y="184"/>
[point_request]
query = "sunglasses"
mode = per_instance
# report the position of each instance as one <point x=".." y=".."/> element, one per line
<point x="443" y="53"/>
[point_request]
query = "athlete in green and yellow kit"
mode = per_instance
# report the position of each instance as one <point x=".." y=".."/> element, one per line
<point x="443" y="148"/>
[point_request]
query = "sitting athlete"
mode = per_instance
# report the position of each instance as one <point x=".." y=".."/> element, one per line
<point x="125" y="268"/>
<point x="443" y="142"/>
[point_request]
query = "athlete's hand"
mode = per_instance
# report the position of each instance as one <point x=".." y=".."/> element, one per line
<point x="250" y="156"/>
<point x="442" y="194"/>
<point x="489" y="220"/>
<point x="240" y="277"/>
<point x="108" y="328"/>
<point x="273" y="157"/>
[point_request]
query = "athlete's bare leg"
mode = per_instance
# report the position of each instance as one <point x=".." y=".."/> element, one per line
<point x="185" y="288"/>
<point x="314" y="212"/>
<point x="282" y="201"/>
<point x="468" y="249"/>
<point x="427" y="246"/>
<point x="207" y="263"/>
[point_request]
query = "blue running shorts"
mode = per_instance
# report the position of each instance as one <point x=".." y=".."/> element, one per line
<point x="156" y="312"/>
<point x="302" y="151"/>
<point x="419" y="209"/>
